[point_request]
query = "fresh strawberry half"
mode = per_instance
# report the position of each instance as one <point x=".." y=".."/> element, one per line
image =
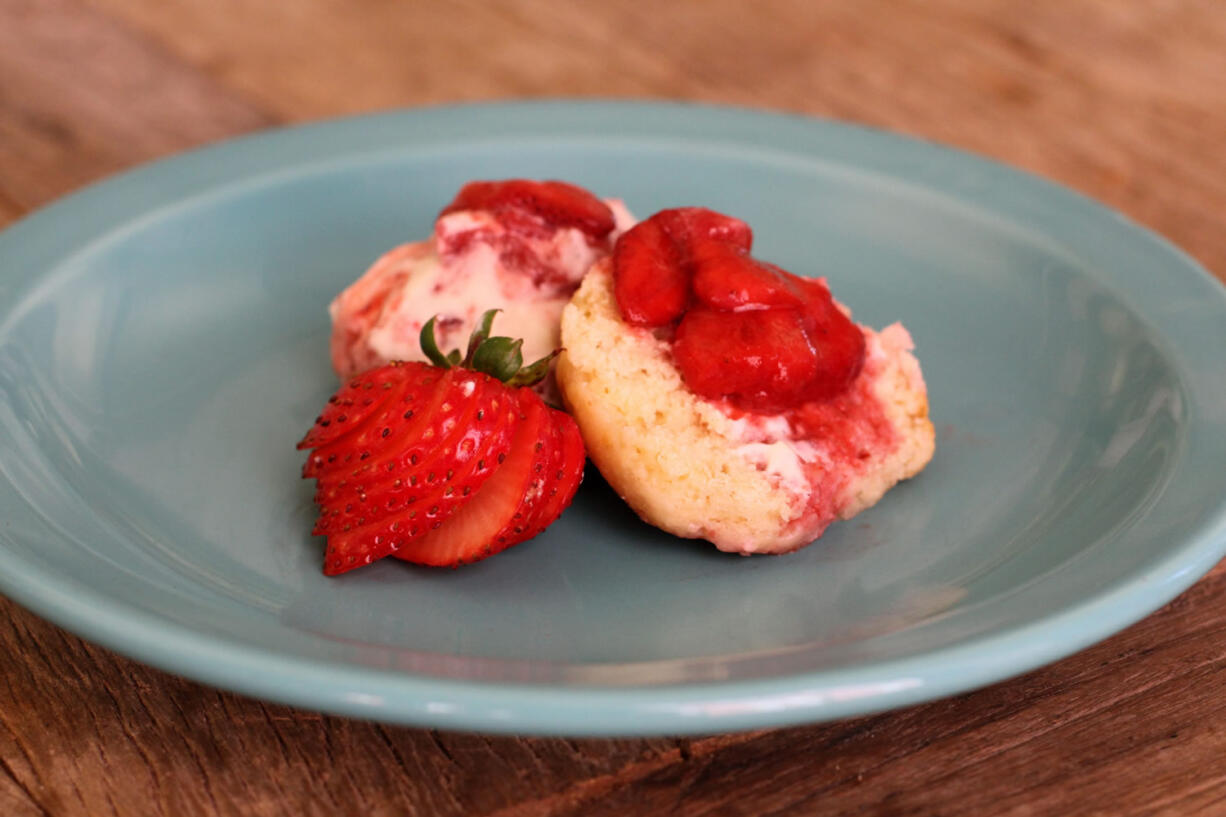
<point x="404" y="387"/>
<point x="500" y="514"/>
<point x="425" y="468"/>
<point x="563" y="475"/>
<point x="557" y="203"/>
<point x="426" y="451"/>
<point x="352" y="405"/>
<point x="745" y="331"/>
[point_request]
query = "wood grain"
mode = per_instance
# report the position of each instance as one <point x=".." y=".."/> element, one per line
<point x="82" y="96"/>
<point x="1121" y="100"/>
<point x="1124" y="101"/>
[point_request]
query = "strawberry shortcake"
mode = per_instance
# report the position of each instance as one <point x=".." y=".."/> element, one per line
<point x="726" y="399"/>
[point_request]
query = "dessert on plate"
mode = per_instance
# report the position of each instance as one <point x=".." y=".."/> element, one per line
<point x="446" y="459"/>
<point x="723" y="397"/>
<point x="515" y="245"/>
<point x="726" y="399"/>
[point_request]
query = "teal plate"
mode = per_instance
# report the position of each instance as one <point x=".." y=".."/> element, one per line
<point x="163" y="345"/>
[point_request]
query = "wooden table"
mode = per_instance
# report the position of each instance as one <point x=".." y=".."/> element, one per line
<point x="1124" y="101"/>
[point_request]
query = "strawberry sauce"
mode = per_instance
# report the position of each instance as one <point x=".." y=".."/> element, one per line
<point x="834" y="440"/>
<point x="746" y="331"/>
<point x="771" y="349"/>
<point x="525" y="217"/>
<point x="553" y="203"/>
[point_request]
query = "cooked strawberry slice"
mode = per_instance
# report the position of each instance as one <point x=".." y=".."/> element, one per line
<point x="654" y="261"/>
<point x="650" y="282"/>
<point x="690" y="225"/>
<point x="770" y="359"/>
<point x="838" y="344"/>
<point x="749" y="332"/>
<point x="726" y="278"/>
<point x="760" y="360"/>
<point x="493" y="519"/>
<point x="557" y="203"/>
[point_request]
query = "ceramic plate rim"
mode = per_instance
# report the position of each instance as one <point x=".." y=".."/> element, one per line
<point x="513" y="707"/>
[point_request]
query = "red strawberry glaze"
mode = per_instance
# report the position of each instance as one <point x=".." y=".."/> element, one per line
<point x="653" y="284"/>
<point x="536" y="205"/>
<point x="772" y="350"/>
<point x="834" y="441"/>
<point x="748" y="332"/>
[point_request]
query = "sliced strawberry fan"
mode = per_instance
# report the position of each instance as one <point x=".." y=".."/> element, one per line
<point x="441" y="463"/>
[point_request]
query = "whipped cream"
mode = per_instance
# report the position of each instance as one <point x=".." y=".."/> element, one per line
<point x="770" y="444"/>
